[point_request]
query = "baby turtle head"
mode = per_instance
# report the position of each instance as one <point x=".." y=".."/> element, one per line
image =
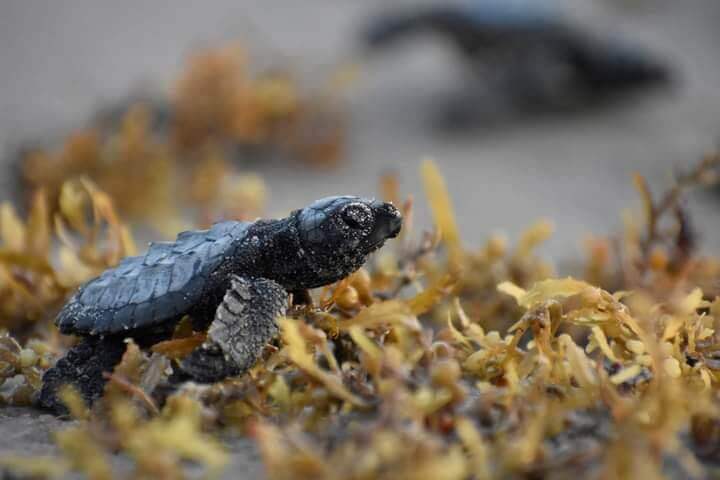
<point x="336" y="235"/>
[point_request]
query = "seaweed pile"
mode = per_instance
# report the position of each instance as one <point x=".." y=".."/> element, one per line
<point x="155" y="155"/>
<point x="435" y="361"/>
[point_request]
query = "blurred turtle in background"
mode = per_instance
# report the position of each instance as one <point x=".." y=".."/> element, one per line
<point x="526" y="51"/>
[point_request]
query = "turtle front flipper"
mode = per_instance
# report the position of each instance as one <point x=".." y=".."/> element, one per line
<point x="244" y="323"/>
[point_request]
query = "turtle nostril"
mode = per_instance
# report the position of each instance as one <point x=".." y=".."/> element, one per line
<point x="388" y="221"/>
<point x="396" y="226"/>
<point x="394" y="223"/>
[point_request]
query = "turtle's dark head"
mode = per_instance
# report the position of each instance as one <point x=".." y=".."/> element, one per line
<point x="336" y="234"/>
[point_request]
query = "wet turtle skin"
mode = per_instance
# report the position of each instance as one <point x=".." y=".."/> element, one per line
<point x="531" y="41"/>
<point x="233" y="279"/>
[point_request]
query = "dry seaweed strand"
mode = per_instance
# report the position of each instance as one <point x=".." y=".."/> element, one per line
<point x="662" y="256"/>
<point x="219" y="111"/>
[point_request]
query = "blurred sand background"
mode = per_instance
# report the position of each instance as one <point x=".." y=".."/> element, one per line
<point x="63" y="60"/>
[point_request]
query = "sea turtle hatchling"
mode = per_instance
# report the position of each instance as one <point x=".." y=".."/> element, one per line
<point x="233" y="279"/>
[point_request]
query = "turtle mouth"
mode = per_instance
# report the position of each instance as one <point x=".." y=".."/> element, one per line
<point x="388" y="223"/>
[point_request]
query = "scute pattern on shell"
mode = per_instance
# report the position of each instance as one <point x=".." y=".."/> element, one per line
<point x="153" y="288"/>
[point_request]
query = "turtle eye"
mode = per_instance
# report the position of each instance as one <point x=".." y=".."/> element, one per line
<point x="357" y="216"/>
